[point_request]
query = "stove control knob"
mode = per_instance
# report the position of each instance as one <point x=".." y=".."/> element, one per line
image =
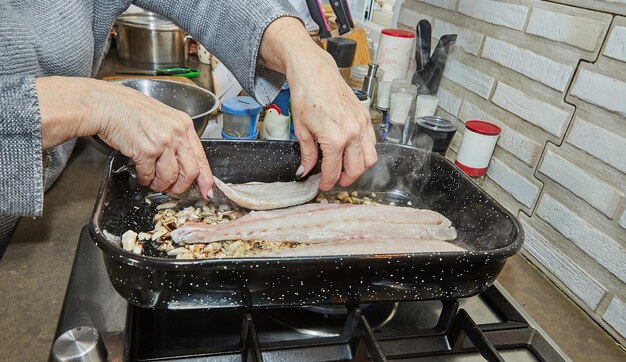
<point x="79" y="344"/>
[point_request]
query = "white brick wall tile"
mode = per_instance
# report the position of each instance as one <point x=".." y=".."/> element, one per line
<point x="597" y="193"/>
<point x="469" y="78"/>
<point x="574" y="278"/>
<point x="622" y="220"/>
<point x="579" y="32"/>
<point x="615" y="315"/>
<point x="534" y="66"/>
<point x="446" y="4"/>
<point x="512" y="182"/>
<point x="600" y="90"/>
<point x="599" y="142"/>
<point x="606" y="251"/>
<point x="495" y="12"/>
<point x="535" y="111"/>
<point x="410" y="18"/>
<point x="449" y="102"/>
<point x="469" y="40"/>
<point x="510" y="140"/>
<point x="616" y="46"/>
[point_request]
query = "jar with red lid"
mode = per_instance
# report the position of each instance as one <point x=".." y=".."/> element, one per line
<point x="394" y="53"/>
<point x="477" y="146"/>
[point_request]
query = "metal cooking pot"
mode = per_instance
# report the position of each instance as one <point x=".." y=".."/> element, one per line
<point x="197" y="102"/>
<point x="147" y="40"/>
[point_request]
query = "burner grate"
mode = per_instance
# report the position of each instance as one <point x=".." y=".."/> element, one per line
<point x="154" y="336"/>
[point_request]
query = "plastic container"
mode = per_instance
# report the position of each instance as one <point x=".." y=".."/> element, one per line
<point x="357" y="75"/>
<point x="477" y="145"/>
<point x="402" y="98"/>
<point x="342" y="50"/>
<point x="432" y="134"/>
<point x="362" y="97"/>
<point x="383" y="95"/>
<point x="282" y="99"/>
<point x="241" y="118"/>
<point x="394" y="52"/>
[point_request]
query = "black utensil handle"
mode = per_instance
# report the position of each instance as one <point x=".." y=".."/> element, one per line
<point x="346" y="9"/>
<point x="422" y="48"/>
<point x="342" y="18"/>
<point x="317" y="14"/>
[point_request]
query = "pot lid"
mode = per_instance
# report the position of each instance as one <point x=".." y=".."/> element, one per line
<point x="149" y="21"/>
<point x="435" y="123"/>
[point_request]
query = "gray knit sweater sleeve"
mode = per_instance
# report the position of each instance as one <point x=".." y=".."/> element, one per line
<point x="232" y="30"/>
<point x="20" y="149"/>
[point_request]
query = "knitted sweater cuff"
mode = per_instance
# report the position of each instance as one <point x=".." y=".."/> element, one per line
<point x="21" y="165"/>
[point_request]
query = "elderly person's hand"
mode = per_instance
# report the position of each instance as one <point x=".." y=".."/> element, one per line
<point x="325" y="109"/>
<point x="160" y="140"/>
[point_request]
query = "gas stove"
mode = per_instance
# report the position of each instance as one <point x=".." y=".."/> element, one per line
<point x="98" y="324"/>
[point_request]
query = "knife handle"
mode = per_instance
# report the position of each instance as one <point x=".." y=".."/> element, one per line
<point x="342" y="18"/>
<point x="346" y="9"/>
<point x="422" y="48"/>
<point x="317" y="14"/>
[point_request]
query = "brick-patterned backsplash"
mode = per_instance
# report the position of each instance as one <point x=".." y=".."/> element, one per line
<point x="552" y="74"/>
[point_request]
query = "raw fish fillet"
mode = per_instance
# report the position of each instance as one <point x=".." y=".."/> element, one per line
<point x="269" y="196"/>
<point x="334" y="229"/>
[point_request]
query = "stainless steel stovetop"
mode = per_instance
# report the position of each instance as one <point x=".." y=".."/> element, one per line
<point x="491" y="327"/>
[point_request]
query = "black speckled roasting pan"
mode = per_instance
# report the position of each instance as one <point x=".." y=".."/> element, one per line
<point x="489" y="232"/>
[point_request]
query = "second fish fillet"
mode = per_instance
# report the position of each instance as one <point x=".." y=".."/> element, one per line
<point x="340" y="224"/>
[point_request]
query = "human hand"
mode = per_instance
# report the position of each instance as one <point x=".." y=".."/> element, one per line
<point x="325" y="109"/>
<point x="160" y="140"/>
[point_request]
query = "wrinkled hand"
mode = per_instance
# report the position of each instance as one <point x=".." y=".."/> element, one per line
<point x="160" y="140"/>
<point x="326" y="111"/>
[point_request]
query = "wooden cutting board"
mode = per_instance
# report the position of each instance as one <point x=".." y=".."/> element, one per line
<point x="163" y="77"/>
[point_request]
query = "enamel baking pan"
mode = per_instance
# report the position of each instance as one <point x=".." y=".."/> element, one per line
<point x="488" y="232"/>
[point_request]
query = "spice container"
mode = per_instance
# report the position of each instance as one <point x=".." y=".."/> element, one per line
<point x="370" y="82"/>
<point x="402" y="95"/>
<point x="383" y="95"/>
<point x="357" y="76"/>
<point x="282" y="99"/>
<point x="477" y="145"/>
<point x="431" y="133"/>
<point x="342" y="50"/>
<point x="426" y="106"/>
<point x="394" y="53"/>
<point x="241" y="118"/>
<point x="363" y="98"/>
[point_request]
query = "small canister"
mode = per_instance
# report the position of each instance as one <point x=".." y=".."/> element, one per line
<point x="432" y="133"/>
<point x="363" y="98"/>
<point x="342" y="50"/>
<point x="282" y="99"/>
<point x="477" y="145"/>
<point x="241" y="118"/>
<point x="394" y="53"/>
<point x="383" y="95"/>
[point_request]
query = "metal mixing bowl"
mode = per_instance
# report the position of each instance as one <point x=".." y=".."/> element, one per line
<point x="197" y="102"/>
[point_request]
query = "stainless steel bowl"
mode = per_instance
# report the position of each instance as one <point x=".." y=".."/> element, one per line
<point x="197" y="102"/>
